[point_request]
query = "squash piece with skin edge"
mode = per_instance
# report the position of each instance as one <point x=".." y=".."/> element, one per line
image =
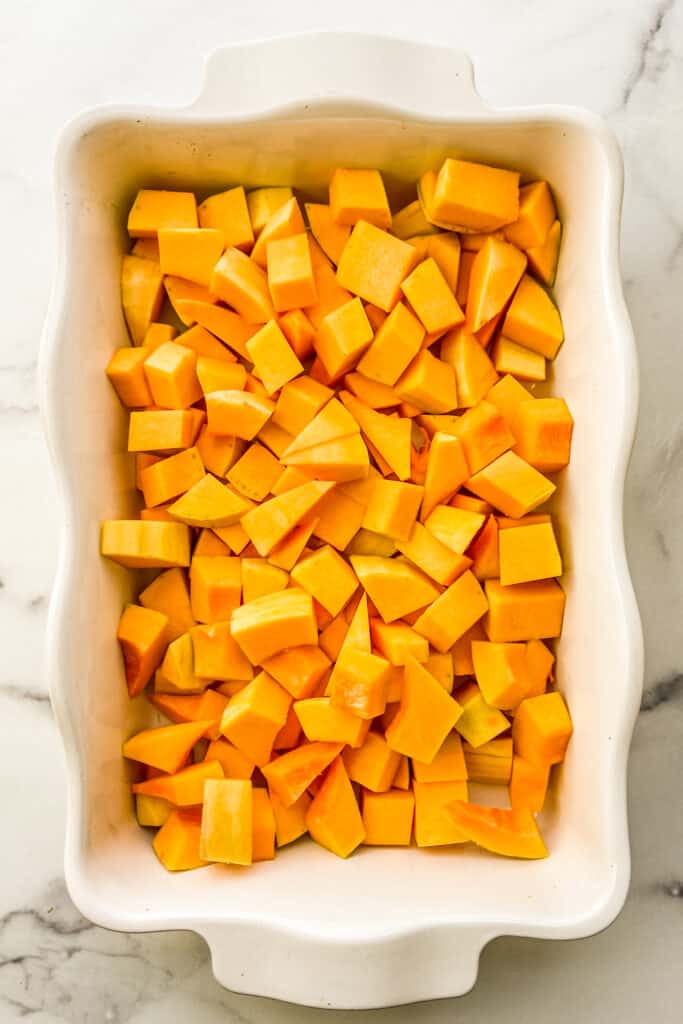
<point x="333" y="818"/>
<point x="511" y="833"/>
<point x="242" y="284"/>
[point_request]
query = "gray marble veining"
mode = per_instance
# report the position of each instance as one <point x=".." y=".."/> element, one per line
<point x="622" y="58"/>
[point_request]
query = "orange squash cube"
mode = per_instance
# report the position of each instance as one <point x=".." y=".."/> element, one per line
<point x="156" y="208"/>
<point x="343" y="336"/>
<point x="190" y="253"/>
<point x="397" y="642"/>
<point x="511" y="485"/>
<point x="255" y="473"/>
<point x="299" y="402"/>
<point x="166" y="747"/>
<point x="512" y="833"/>
<point x="506" y="396"/>
<point x="543" y="429"/>
<point x="374" y="264"/>
<point x="290" y="822"/>
<point x="126" y="372"/>
<point x="152" y="811"/>
<point x="331" y="295"/>
<point x="448" y="765"/>
<point x="373" y="765"/>
<point x="359" y="195"/>
<point x="285" y="222"/>
<point x="142" y="635"/>
<point x="360" y="682"/>
<point x="484" y="435"/>
<point x="533" y="319"/>
<point x="185" y="788"/>
<point x="269" y="523"/>
<point x="496" y="272"/>
<point x="227" y="822"/>
<point x="206" y="706"/>
<point x="237" y="413"/>
<point x="474" y="197"/>
<point x="483" y="551"/>
<point x="395" y="588"/>
<point x="157" y="334"/>
<point x="528" y="783"/>
<point x="343" y="460"/>
<point x="536" y="216"/>
<point x="501" y="671"/>
<point x="287" y="552"/>
<point x="184" y="295"/>
<point x="389" y="436"/>
<point x="254" y="717"/>
<point x="242" y="284"/>
<point x="529" y="553"/>
<point x="263" y="826"/>
<point x="454" y="527"/>
<point x="542" y="728"/>
<point x="461" y="652"/>
<point x="215" y="587"/>
<point x="429" y="295"/>
<point x="274" y="622"/>
<point x="233" y="762"/>
<point x="217" y="655"/>
<point x="441" y="667"/>
<point x="433" y="557"/>
<point x="332" y="423"/>
<point x="220" y="375"/>
<point x="171" y="372"/>
<point x="259" y="577"/>
<point x="228" y="211"/>
<point x="540" y="663"/>
<point x="392" y="509"/>
<point x="291" y="774"/>
<point x="434" y="824"/>
<point x="176" y="674"/>
<point x="225" y="324"/>
<point x="428" y="384"/>
<point x="509" y="357"/>
<point x="209" y="503"/>
<point x="479" y="722"/>
<point x="262" y="203"/>
<point x="410" y="221"/>
<point x="322" y="720"/>
<point x="169" y="594"/>
<point x="333" y="818"/>
<point x="543" y="258"/>
<point x="490" y="763"/>
<point x="425" y="717"/>
<point x="273" y="357"/>
<point x="168" y="478"/>
<point x="299" y="331"/>
<point x="525" y="611"/>
<point x="330" y="236"/>
<point x="396" y="343"/>
<point x="327" y="577"/>
<point x="176" y="844"/>
<point x="139" y="544"/>
<point x="219" y="451"/>
<point x="388" y="817"/>
<point x="475" y="374"/>
<point x="290" y="273"/>
<point x="339" y="519"/>
<point x="447" y="470"/>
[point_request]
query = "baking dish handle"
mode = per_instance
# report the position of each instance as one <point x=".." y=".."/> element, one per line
<point x="415" y="78"/>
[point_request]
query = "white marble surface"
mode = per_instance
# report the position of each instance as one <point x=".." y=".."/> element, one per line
<point x="623" y="59"/>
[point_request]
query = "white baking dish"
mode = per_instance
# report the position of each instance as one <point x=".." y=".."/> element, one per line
<point x="386" y="926"/>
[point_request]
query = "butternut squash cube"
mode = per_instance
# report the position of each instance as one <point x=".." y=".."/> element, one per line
<point x="141" y="294"/>
<point x="533" y="319"/>
<point x="228" y="211"/>
<point x="227" y="821"/>
<point x="184" y="788"/>
<point x="495" y="273"/>
<point x="344" y="459"/>
<point x="330" y="236"/>
<point x="327" y="577"/>
<point x="262" y="203"/>
<point x="475" y="374"/>
<point x="242" y="284"/>
<point x="190" y="253"/>
<point x="506" y="396"/>
<point x="509" y="357"/>
<point x="215" y="587"/>
<point x="142" y="635"/>
<point x="322" y="720"/>
<point x="269" y="523"/>
<point x="169" y="594"/>
<point x="474" y="197"/>
<point x="373" y="765"/>
<point x="483" y="551"/>
<point x="528" y="783"/>
<point x="512" y="833"/>
<point x="156" y="208"/>
<point x="529" y="553"/>
<point x="395" y="588"/>
<point x="299" y="402"/>
<point x="274" y="622"/>
<point x="283" y="223"/>
<point x="484" y="435"/>
<point x="333" y="819"/>
<point x="511" y="485"/>
<point x="237" y="413"/>
<point x="290" y="273"/>
<point x="140" y="544"/>
<point x="167" y="747"/>
<point x="410" y="221"/>
<point x="525" y="611"/>
<point x="479" y="722"/>
<point x="392" y="509"/>
<point x="448" y="764"/>
<point x="332" y="423"/>
<point x="255" y="473"/>
<point x="441" y="667"/>
<point x="225" y="324"/>
<point x="453" y="612"/>
<point x="454" y="527"/>
<point x="171" y="372"/>
<point x="542" y="729"/>
<point x="396" y="642"/>
<point x="464" y="274"/>
<point x="430" y="297"/>
<point x="263" y="827"/>
<point x="152" y="811"/>
<point x="429" y="384"/>
<point x="233" y="762"/>
<point x="540" y="663"/>
<point x="374" y="264"/>
<point x="543" y="258"/>
<point x="360" y="682"/>
<point x="219" y="451"/>
<point x="220" y="375"/>
<point x="254" y="717"/>
<point x="536" y="216"/>
<point x="447" y="470"/>
<point x="146" y="248"/>
<point x="339" y="519"/>
<point x="299" y="332"/>
<point x="287" y="552"/>
<point x="490" y="763"/>
<point x="342" y="337"/>
<point x="397" y="341"/>
<point x="273" y="357"/>
<point x="434" y="824"/>
<point x="425" y="717"/>
<point x="501" y="671"/>
<point x="167" y="478"/>
<point x="291" y="774"/>
<point x="331" y="294"/>
<point x="217" y="655"/>
<point x="389" y="435"/>
<point x="432" y="557"/>
<point x="290" y="822"/>
<point x="176" y="844"/>
<point x="184" y="295"/>
<point x="176" y="674"/>
<point x="543" y="428"/>
<point x="388" y="817"/>
<point x="444" y="248"/>
<point x="359" y="195"/>
<point x="126" y="372"/>
<point x="157" y="334"/>
<point x="259" y="577"/>
<point x="209" y="503"/>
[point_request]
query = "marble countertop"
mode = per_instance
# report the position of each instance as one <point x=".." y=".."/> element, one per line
<point x="621" y="58"/>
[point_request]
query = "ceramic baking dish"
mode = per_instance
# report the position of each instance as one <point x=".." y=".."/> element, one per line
<point x="386" y="926"/>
